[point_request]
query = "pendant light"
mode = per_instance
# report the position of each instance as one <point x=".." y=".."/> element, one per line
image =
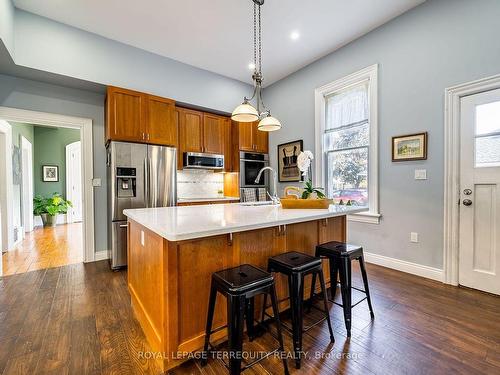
<point x="245" y="112"/>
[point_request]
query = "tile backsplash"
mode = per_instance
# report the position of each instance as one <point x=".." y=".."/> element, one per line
<point x="199" y="184"/>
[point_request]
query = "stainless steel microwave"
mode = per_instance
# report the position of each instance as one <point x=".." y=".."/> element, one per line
<point x="198" y="160"/>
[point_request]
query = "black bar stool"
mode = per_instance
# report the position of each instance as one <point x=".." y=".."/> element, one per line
<point x="339" y="256"/>
<point x="240" y="285"/>
<point x="297" y="265"/>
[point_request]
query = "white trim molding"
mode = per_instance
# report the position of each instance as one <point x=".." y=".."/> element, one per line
<point x="6" y="189"/>
<point x="404" y="266"/>
<point x="452" y="169"/>
<point x="101" y="255"/>
<point x="370" y="75"/>
<point x="85" y="126"/>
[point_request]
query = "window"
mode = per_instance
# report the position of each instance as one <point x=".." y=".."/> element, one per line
<point x="346" y="135"/>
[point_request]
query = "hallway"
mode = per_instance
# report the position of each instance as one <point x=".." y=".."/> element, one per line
<point x="45" y="248"/>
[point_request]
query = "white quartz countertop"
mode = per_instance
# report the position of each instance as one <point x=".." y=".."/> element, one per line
<point x="188" y="222"/>
<point x="217" y="199"/>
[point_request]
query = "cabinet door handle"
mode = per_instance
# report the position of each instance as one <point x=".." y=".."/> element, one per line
<point x="148" y="136"/>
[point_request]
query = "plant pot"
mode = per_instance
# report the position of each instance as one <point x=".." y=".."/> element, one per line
<point x="49" y="220"/>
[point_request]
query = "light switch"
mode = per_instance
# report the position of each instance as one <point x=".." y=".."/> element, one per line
<point x="420" y="174"/>
<point x="96" y="182"/>
<point x="142" y="237"/>
<point x="413" y="237"/>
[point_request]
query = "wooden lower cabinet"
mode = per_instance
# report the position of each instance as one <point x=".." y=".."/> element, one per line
<point x="169" y="282"/>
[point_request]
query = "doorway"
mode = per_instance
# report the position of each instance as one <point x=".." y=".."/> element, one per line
<point x="68" y="235"/>
<point x="472" y="185"/>
<point x="479" y="244"/>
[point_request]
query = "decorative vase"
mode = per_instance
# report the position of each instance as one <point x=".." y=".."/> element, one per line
<point x="49" y="220"/>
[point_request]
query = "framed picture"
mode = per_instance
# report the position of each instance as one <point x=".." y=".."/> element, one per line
<point x="50" y="173"/>
<point x="409" y="147"/>
<point x="287" y="161"/>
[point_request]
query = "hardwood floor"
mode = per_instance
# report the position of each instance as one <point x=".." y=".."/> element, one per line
<point x="45" y="248"/>
<point x="77" y="319"/>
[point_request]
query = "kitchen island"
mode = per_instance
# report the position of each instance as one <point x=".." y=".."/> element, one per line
<point x="173" y="251"/>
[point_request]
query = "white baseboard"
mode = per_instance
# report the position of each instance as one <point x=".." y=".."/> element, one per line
<point x="101" y="255"/>
<point x="404" y="266"/>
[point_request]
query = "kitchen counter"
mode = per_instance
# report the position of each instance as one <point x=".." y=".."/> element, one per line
<point x="173" y="251"/>
<point x="201" y="200"/>
<point x="185" y="223"/>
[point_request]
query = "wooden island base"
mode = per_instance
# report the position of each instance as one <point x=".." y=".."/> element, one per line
<point x="169" y="282"/>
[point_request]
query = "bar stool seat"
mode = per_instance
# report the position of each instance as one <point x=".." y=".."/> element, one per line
<point x="242" y="278"/>
<point x="340" y="255"/>
<point x="240" y="285"/>
<point x="293" y="261"/>
<point x="296" y="266"/>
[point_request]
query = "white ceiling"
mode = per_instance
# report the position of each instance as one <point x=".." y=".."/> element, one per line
<point x="216" y="35"/>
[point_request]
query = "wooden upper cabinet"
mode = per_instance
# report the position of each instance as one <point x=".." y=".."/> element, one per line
<point x="190" y="130"/>
<point x="245" y="136"/>
<point x="137" y="117"/>
<point x="125" y="115"/>
<point x="260" y="140"/>
<point x="161" y="122"/>
<point x="214" y="134"/>
<point x="251" y="139"/>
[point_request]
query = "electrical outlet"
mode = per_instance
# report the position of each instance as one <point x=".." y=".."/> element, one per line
<point x="96" y="182"/>
<point x="142" y="237"/>
<point x="413" y="237"/>
<point x="420" y="174"/>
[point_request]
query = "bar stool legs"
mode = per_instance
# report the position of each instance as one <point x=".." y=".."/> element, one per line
<point x="365" y="283"/>
<point x="296" y="290"/>
<point x="235" y="318"/>
<point x="345" y="289"/>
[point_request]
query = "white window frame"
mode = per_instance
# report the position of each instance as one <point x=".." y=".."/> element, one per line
<point x="366" y="75"/>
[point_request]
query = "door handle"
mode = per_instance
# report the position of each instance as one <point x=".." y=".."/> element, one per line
<point x="123" y="225"/>
<point x="467" y="191"/>
<point x="467" y="202"/>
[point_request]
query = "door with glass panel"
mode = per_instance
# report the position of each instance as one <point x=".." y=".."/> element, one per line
<point x="479" y="254"/>
<point x="346" y="144"/>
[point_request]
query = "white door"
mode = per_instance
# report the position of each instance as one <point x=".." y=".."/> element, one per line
<point x="479" y="263"/>
<point x="27" y="187"/>
<point x="74" y="181"/>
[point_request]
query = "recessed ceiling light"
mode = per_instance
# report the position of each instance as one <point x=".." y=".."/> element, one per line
<point x="294" y="35"/>
<point x="251" y="66"/>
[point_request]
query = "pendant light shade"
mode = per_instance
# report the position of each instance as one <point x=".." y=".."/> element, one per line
<point x="269" y="124"/>
<point x="245" y="113"/>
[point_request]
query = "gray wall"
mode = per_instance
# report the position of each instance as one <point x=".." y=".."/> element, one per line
<point x="7" y="24"/>
<point x="50" y="46"/>
<point x="436" y="45"/>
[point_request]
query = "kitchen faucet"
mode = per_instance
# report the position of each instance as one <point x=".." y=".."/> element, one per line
<point x="274" y="198"/>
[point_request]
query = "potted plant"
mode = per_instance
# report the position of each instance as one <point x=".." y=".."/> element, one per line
<point x="50" y="207"/>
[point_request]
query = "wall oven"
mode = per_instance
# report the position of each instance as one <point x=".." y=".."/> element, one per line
<point x="197" y="160"/>
<point x="250" y="165"/>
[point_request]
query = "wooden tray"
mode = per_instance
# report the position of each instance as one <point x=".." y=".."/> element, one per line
<point x="290" y="203"/>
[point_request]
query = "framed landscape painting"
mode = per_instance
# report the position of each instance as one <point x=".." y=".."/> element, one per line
<point x="288" y="171"/>
<point x="409" y="147"/>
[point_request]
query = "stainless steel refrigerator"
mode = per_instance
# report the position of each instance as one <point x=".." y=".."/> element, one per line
<point x="138" y="176"/>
